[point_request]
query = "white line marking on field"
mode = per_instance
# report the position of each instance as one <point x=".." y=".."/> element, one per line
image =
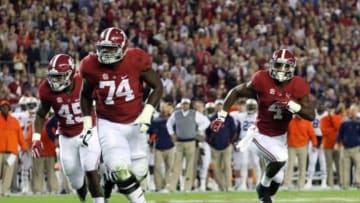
<point x="250" y="200"/>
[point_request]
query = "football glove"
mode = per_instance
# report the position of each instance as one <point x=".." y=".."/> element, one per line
<point x="37" y="146"/>
<point x="144" y="118"/>
<point x="288" y="104"/>
<point x="218" y="123"/>
<point x="86" y="134"/>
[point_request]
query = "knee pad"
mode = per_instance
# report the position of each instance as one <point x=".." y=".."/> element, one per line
<point x="120" y="172"/>
<point x="140" y="168"/>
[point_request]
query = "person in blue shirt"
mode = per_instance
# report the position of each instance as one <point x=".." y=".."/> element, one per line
<point x="221" y="148"/>
<point x="349" y="138"/>
<point x="164" y="147"/>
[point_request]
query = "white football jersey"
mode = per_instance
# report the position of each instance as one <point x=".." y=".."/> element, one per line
<point x="245" y="120"/>
<point x="316" y="122"/>
<point x="25" y="120"/>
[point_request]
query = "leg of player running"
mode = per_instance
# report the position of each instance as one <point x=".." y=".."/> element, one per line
<point x="117" y="151"/>
<point x="276" y="156"/>
<point x="90" y="158"/>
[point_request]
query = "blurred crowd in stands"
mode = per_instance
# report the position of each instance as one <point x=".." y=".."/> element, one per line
<point x="201" y="49"/>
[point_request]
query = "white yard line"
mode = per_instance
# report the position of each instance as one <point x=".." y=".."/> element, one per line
<point x="250" y="200"/>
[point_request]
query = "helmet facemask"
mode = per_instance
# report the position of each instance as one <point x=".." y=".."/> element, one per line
<point x="282" y="70"/>
<point x="59" y="81"/>
<point x="108" y="54"/>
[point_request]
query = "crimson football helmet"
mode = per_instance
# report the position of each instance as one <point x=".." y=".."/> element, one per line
<point x="251" y="106"/>
<point x="282" y="65"/>
<point x="111" y="46"/>
<point x="61" y="71"/>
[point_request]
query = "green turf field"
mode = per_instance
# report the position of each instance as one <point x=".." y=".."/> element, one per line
<point x="329" y="196"/>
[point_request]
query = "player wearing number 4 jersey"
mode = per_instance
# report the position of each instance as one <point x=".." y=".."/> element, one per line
<point x="279" y="94"/>
<point x="78" y="157"/>
<point x="114" y="76"/>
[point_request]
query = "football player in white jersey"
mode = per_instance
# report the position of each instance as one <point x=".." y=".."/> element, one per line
<point x="243" y="161"/>
<point x="26" y="119"/>
<point x="317" y="155"/>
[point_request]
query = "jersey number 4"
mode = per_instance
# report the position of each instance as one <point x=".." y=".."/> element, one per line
<point x="277" y="111"/>
<point x="71" y="117"/>
<point x="122" y="90"/>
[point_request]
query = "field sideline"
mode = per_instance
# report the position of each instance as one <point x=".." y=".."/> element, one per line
<point x="327" y="196"/>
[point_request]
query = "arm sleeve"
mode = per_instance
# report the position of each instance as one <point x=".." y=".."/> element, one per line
<point x="202" y="121"/>
<point x="144" y="60"/>
<point x="170" y="124"/>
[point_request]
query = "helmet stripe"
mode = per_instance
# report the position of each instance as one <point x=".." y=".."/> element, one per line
<point x="53" y="62"/>
<point x="283" y="52"/>
<point x="108" y="34"/>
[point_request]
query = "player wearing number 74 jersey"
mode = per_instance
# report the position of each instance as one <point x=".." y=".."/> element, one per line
<point x="78" y="157"/>
<point x="114" y="78"/>
<point x="279" y="94"/>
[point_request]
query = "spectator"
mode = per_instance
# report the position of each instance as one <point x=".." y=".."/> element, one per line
<point x="349" y="138"/>
<point x="300" y="132"/>
<point x="11" y="136"/>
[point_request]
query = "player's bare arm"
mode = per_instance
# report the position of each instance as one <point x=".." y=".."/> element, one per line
<point x="242" y="90"/>
<point x="153" y="80"/>
<point x="85" y="98"/>
<point x="307" y="110"/>
<point x="41" y="113"/>
<point x="37" y="145"/>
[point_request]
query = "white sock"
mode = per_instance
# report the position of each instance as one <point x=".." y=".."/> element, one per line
<point x="98" y="200"/>
<point x="265" y="181"/>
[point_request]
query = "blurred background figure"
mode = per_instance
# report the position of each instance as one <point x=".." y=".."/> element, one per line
<point x="247" y="160"/>
<point x="299" y="133"/>
<point x="348" y="140"/>
<point x="26" y="119"/>
<point x="329" y="126"/>
<point x="11" y="137"/>
<point x="221" y="148"/>
<point x="187" y="124"/>
<point x="203" y="158"/>
<point x="43" y="170"/>
<point x="317" y="156"/>
<point x="164" y="150"/>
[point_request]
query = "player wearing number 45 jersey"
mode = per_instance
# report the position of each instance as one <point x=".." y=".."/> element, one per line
<point x="78" y="157"/>
<point x="114" y="78"/>
<point x="279" y="94"/>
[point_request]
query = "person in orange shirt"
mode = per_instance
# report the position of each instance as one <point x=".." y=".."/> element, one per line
<point x="299" y="133"/>
<point x="45" y="164"/>
<point x="11" y="136"/>
<point x="329" y="126"/>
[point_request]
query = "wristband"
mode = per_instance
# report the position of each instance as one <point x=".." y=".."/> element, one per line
<point x="87" y="122"/>
<point x="293" y="107"/>
<point x="36" y="137"/>
<point x="148" y="109"/>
